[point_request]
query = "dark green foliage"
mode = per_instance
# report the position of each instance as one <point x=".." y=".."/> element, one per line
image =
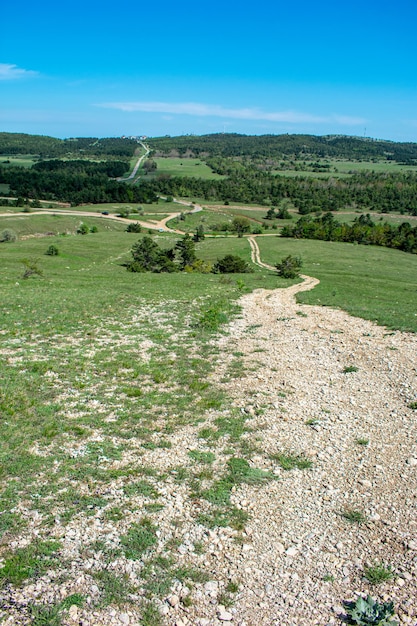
<point x="149" y="257"/>
<point x="83" y="229"/>
<point x="363" y="231"/>
<point x="368" y="612"/>
<point x="134" y="227"/>
<point x="240" y="225"/>
<point x="199" y="234"/>
<point x="186" y="251"/>
<point x="52" y="251"/>
<point x="289" y="267"/>
<point x="8" y="236"/>
<point x="231" y="264"/>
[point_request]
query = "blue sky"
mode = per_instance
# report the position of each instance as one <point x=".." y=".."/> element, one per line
<point x="153" y="68"/>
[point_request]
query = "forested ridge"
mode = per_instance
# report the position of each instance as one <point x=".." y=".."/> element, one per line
<point x="247" y="164"/>
<point x="335" y="146"/>
<point x="50" y="147"/>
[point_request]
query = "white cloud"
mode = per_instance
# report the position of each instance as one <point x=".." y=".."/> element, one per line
<point x="210" y="110"/>
<point x="11" y="72"/>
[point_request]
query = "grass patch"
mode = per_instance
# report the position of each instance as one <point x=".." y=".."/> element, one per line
<point x="378" y="573"/>
<point x="289" y="461"/>
<point x="28" y="562"/>
<point x="353" y="516"/>
<point x="140" y="538"/>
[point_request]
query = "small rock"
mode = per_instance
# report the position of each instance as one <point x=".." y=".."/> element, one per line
<point x="124" y="618"/>
<point x="292" y="551"/>
<point x="412" y="461"/>
<point x="73" y="612"/>
<point x="224" y="616"/>
<point x="279" y="548"/>
<point x="173" y="600"/>
<point x="412" y="545"/>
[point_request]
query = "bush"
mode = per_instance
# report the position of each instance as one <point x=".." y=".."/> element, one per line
<point x="231" y="264"/>
<point x="52" y="251"/>
<point x="289" y="267"/>
<point x="134" y="227"/>
<point x="94" y="229"/>
<point x="8" y="236"/>
<point x="83" y="229"/>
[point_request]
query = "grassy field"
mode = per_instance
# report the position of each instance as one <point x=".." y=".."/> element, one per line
<point x="184" y="167"/>
<point x="22" y="160"/>
<point x="343" y="169"/>
<point x="101" y="369"/>
<point x="375" y="283"/>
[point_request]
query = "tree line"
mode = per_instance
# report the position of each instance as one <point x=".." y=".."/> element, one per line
<point x="329" y="146"/>
<point x="365" y="191"/>
<point x="77" y="182"/>
<point x="363" y="231"/>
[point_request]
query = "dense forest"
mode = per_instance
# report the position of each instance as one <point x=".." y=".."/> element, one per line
<point x="77" y="181"/>
<point x="50" y="147"/>
<point x="276" y="146"/>
<point x="364" y="191"/>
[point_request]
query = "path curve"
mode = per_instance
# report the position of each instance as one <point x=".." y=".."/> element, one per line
<point x="286" y="295"/>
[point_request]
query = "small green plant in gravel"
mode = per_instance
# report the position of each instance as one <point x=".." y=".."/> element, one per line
<point x="378" y="573"/>
<point x="368" y="612"/>
<point x="350" y="368"/>
<point x="75" y="599"/>
<point x="45" y="614"/>
<point x="139" y="538"/>
<point x="150" y="615"/>
<point x="289" y="461"/>
<point x="362" y="441"/>
<point x="354" y="516"/>
<point x="413" y="405"/>
<point x="202" y="457"/>
<point x="113" y="589"/>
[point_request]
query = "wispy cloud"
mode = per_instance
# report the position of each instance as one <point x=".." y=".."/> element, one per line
<point x="11" y="72"/>
<point x="210" y="110"/>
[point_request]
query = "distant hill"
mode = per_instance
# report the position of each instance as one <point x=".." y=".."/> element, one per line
<point x="330" y="146"/>
<point x="50" y="147"/>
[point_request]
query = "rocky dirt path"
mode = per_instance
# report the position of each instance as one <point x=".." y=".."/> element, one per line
<point x="301" y="557"/>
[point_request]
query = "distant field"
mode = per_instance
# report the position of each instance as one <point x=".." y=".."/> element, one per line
<point x="25" y="224"/>
<point x="342" y="169"/>
<point x="22" y="161"/>
<point x="184" y="167"/>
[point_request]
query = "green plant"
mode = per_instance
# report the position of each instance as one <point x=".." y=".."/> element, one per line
<point x="8" y="236"/>
<point x="362" y="441"/>
<point x="139" y="539"/>
<point x="289" y="267"/>
<point x="368" y="612"/>
<point x="378" y="573"/>
<point x="353" y="516"/>
<point x="289" y="461"/>
<point x="31" y="268"/>
<point x="45" y="614"/>
<point x="52" y="251"/>
<point x="231" y="264"/>
<point x="134" y="227"/>
<point x="350" y="368"/>
<point x="83" y="229"/>
<point x="412" y="405"/>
